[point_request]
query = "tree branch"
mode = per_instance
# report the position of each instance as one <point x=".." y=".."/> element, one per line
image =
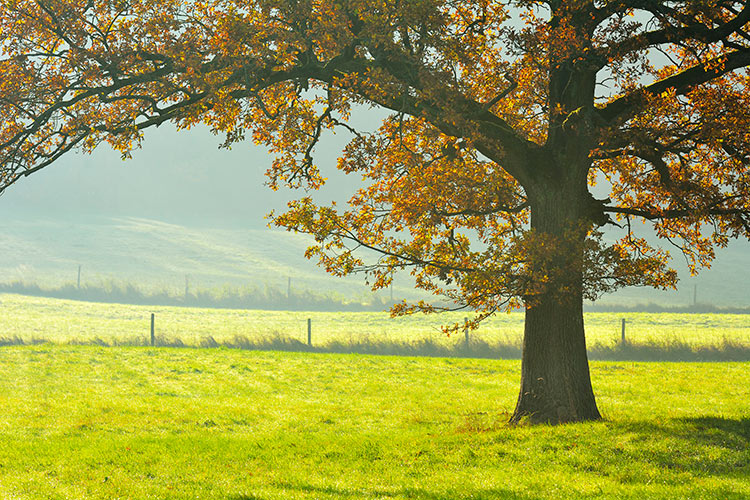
<point x="629" y="105"/>
<point x="656" y="214"/>
<point x="693" y="30"/>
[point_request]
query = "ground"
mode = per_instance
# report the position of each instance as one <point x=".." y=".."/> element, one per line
<point x="169" y="423"/>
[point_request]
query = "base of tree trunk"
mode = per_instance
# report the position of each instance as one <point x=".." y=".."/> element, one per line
<point x="553" y="415"/>
<point x="555" y="382"/>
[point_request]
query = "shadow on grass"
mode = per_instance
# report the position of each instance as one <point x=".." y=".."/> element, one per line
<point x="673" y="453"/>
<point x="700" y="445"/>
<point x="740" y="428"/>
<point x="415" y="493"/>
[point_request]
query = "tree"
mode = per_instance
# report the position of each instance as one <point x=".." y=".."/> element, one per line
<point x="502" y="116"/>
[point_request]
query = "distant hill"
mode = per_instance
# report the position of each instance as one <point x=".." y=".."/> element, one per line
<point x="155" y="255"/>
<point x="158" y="255"/>
<point x="183" y="207"/>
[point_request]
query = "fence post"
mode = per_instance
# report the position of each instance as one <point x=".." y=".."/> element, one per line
<point x="79" y="277"/>
<point x="309" y="332"/>
<point x="623" y="331"/>
<point x="466" y="330"/>
<point x="152" y="330"/>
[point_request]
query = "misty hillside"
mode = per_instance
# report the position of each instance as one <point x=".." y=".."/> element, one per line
<point x="183" y="207"/>
<point x="157" y="255"/>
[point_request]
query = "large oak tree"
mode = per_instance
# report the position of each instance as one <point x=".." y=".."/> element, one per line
<point x="502" y="115"/>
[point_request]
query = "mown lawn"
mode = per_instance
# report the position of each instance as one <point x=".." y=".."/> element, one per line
<point x="133" y="422"/>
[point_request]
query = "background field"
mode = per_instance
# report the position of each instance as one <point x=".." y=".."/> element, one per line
<point x="29" y="318"/>
<point x="139" y="423"/>
<point x="155" y="256"/>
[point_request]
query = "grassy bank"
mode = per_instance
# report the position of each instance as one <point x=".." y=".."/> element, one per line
<point x="672" y="350"/>
<point x="91" y="422"/>
<point x="29" y="320"/>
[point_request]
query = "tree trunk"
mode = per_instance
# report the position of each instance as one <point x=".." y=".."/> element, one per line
<point x="555" y="381"/>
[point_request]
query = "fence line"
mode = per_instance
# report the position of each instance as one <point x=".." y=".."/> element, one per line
<point x="31" y="318"/>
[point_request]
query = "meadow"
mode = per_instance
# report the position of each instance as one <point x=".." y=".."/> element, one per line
<point x="138" y="422"/>
<point x="33" y="319"/>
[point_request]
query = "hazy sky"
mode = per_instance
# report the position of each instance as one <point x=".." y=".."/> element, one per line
<point x="185" y="178"/>
<point x="176" y="176"/>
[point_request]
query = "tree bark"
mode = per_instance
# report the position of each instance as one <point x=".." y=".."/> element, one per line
<point x="555" y="381"/>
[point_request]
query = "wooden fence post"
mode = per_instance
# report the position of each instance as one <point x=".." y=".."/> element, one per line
<point x="153" y="338"/>
<point x="79" y="277"/>
<point x="466" y="330"/>
<point x="622" y="339"/>
<point x="309" y="332"/>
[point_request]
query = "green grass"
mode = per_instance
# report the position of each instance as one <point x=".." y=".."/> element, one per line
<point x="58" y="320"/>
<point x="138" y="423"/>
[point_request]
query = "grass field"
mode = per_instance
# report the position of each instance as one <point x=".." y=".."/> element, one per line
<point x="139" y="423"/>
<point x="64" y="321"/>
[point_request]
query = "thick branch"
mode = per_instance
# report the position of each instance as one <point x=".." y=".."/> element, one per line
<point x="656" y="214"/>
<point x="631" y="104"/>
<point x="445" y="108"/>
<point x="672" y="34"/>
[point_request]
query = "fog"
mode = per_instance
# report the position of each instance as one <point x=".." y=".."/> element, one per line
<point x="181" y="177"/>
<point x="185" y="179"/>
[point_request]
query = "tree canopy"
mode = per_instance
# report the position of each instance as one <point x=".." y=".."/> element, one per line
<point x="502" y="115"/>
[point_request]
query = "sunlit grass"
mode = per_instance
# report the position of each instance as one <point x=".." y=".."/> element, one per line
<point x="101" y="423"/>
<point x="64" y="321"/>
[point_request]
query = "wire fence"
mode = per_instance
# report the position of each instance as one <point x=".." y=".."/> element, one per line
<point x="65" y="321"/>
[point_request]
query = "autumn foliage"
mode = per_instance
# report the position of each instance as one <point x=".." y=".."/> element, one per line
<point x="502" y="116"/>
